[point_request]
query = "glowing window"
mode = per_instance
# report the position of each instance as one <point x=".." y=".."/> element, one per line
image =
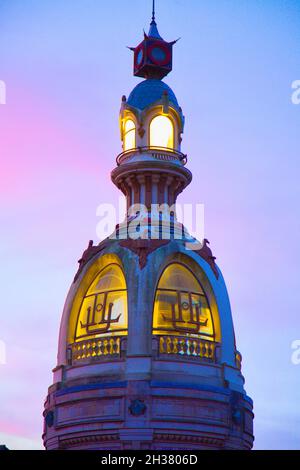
<point x="129" y="135"/>
<point x="104" y="308"/>
<point x="181" y="306"/>
<point x="161" y="132"/>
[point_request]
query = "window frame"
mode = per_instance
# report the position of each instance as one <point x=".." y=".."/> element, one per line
<point x="114" y="332"/>
<point x="127" y="132"/>
<point x="173" y="131"/>
<point x="174" y="332"/>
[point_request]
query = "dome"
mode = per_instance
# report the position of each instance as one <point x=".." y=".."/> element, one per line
<point x="148" y="92"/>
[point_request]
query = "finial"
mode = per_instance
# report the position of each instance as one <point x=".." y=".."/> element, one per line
<point x="153" y="11"/>
<point x="153" y="31"/>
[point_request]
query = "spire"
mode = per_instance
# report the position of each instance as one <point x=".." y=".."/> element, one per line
<point x="153" y="31"/>
<point x="153" y="11"/>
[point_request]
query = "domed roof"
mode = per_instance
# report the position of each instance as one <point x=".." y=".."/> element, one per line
<point x="149" y="91"/>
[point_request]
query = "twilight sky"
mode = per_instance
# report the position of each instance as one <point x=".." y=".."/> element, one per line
<point x="66" y="67"/>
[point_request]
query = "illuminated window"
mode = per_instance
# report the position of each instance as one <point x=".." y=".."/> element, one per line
<point x="161" y="132"/>
<point x="181" y="306"/>
<point x="129" y="135"/>
<point x="104" y="308"/>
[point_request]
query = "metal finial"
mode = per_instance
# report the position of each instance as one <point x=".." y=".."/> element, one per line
<point x="153" y="31"/>
<point x="153" y="11"/>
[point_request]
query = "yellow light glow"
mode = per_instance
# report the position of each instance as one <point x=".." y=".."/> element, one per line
<point x="129" y="135"/>
<point x="104" y="307"/>
<point x="161" y="132"/>
<point x="180" y="306"/>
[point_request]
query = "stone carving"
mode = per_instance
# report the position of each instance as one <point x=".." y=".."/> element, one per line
<point x="143" y="248"/>
<point x="89" y="439"/>
<point x="137" y="407"/>
<point x="88" y="254"/>
<point x="206" y="253"/>
<point x="141" y="131"/>
<point x="188" y="439"/>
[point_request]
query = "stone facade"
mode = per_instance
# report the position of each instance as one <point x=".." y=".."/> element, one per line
<point x="144" y="398"/>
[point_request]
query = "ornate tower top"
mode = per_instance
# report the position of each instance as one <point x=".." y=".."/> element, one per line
<point x="153" y="56"/>
<point x="147" y="356"/>
<point x="151" y="168"/>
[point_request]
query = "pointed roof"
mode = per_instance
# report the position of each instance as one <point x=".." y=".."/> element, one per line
<point x="153" y="31"/>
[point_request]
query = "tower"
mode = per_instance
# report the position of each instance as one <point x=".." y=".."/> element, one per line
<point x="147" y="356"/>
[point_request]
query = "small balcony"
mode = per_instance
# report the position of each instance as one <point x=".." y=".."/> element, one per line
<point x="170" y="347"/>
<point x="157" y="153"/>
<point x="183" y="347"/>
<point x="96" y="349"/>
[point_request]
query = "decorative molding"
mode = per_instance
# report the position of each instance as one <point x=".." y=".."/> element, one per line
<point x="143" y="248"/>
<point x="91" y="438"/>
<point x="158" y="437"/>
<point x="137" y="407"/>
<point x="141" y="131"/>
<point x="206" y="253"/>
<point x="88" y="254"/>
<point x="192" y="439"/>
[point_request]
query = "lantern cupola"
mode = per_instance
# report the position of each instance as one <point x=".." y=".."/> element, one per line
<point x="151" y="169"/>
<point x="153" y="56"/>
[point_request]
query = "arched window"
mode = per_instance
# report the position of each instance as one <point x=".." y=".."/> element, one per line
<point x="103" y="309"/>
<point x="129" y="135"/>
<point x="181" y="307"/>
<point x="161" y="132"/>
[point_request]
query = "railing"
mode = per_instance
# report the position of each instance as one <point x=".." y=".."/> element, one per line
<point x="113" y="347"/>
<point x="160" y="153"/>
<point x="95" y="349"/>
<point x="182" y="346"/>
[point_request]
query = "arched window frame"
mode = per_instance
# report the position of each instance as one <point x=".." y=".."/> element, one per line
<point x="168" y="331"/>
<point x="130" y="133"/>
<point x="109" y="332"/>
<point x="171" y="120"/>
